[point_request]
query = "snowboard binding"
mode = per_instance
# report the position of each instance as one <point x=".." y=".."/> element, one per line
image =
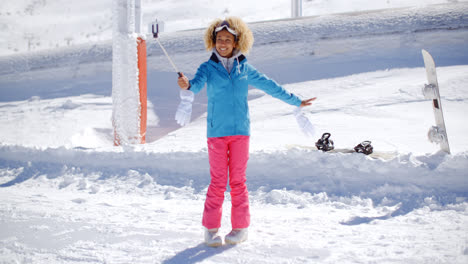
<point x="436" y="135"/>
<point x="364" y="147"/>
<point x="325" y="143"/>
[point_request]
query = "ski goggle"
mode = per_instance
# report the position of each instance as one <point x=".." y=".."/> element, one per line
<point x="225" y="25"/>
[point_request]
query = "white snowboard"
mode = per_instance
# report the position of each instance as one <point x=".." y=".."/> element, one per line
<point x="438" y="133"/>
<point x="385" y="155"/>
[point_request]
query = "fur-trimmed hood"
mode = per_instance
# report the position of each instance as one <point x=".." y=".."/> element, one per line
<point x="245" y="37"/>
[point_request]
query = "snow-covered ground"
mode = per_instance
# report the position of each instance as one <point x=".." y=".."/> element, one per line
<point x="33" y="25"/>
<point x="69" y="196"/>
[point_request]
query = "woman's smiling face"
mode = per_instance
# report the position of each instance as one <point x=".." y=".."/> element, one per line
<point x="225" y="43"/>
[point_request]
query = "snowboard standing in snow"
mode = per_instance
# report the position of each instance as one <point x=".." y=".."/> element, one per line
<point x="438" y="133"/>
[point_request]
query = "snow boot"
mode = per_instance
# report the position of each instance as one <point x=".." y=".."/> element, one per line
<point x="212" y="238"/>
<point x="237" y="236"/>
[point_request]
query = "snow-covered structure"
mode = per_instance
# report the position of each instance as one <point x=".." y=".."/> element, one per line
<point x="128" y="73"/>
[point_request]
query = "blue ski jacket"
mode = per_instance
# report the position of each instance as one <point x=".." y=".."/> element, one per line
<point x="228" y="111"/>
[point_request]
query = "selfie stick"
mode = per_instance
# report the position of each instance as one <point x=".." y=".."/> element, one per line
<point x="155" y="30"/>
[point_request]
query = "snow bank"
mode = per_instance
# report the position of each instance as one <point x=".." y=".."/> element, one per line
<point x="406" y="178"/>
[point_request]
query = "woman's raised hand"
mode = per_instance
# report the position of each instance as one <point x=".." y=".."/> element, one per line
<point x="307" y="102"/>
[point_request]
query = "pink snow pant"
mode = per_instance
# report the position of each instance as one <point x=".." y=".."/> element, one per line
<point x="227" y="156"/>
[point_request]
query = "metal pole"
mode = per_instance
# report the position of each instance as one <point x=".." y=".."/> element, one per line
<point x="296" y="8"/>
<point x="155" y="30"/>
<point x="138" y="17"/>
<point x="169" y="58"/>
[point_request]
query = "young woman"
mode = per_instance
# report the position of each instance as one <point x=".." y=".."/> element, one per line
<point x="228" y="75"/>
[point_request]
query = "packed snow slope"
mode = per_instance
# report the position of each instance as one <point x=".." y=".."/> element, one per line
<point x="69" y="196"/>
<point x="35" y="25"/>
<point x="310" y="48"/>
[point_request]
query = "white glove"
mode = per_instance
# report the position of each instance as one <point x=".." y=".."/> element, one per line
<point x="184" y="111"/>
<point x="303" y="122"/>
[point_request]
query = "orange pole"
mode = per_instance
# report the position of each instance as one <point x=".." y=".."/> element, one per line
<point x="116" y="136"/>
<point x="142" y="87"/>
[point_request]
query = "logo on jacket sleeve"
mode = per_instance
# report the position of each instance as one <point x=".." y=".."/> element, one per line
<point x="243" y="77"/>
